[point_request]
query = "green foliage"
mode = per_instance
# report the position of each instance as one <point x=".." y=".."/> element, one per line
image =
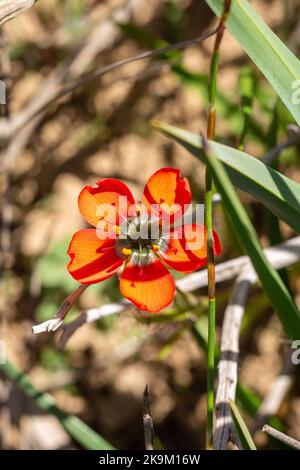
<point x="54" y="360"/>
<point x="277" y="192"/>
<point x="51" y="268"/>
<point x="198" y="82"/>
<point x="46" y="309"/>
<point x="241" y="428"/>
<point x="279" y="65"/>
<point x="77" y="429"/>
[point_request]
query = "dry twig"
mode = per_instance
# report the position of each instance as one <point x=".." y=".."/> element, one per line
<point x="65" y="307"/>
<point x="9" y="9"/>
<point x="39" y="106"/>
<point x="228" y="365"/>
<point x="281" y="437"/>
<point x="148" y="422"/>
<point x="277" y="391"/>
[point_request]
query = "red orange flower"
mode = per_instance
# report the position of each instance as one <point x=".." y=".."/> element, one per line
<point x="143" y="238"/>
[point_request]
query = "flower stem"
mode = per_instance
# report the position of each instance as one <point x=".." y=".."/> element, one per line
<point x="211" y="309"/>
<point x="211" y="124"/>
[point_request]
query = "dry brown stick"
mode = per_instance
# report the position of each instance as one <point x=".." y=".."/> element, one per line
<point x="6" y="208"/>
<point x="148" y="422"/>
<point x="139" y="57"/>
<point x="64" y="309"/>
<point x="96" y="42"/>
<point x="23" y="136"/>
<point x="9" y="9"/>
<point x="228" y="365"/>
<point x="281" y="437"/>
<point x="277" y="391"/>
<point x="40" y="107"/>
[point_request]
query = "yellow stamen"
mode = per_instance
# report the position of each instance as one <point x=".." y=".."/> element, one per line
<point x="126" y="251"/>
<point x="155" y="248"/>
<point x="138" y="210"/>
<point x="118" y="231"/>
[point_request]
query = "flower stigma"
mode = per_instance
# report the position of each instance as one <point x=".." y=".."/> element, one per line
<point x="141" y="240"/>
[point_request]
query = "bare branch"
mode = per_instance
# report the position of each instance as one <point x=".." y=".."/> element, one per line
<point x="275" y="396"/>
<point x="279" y="256"/>
<point x="103" y="36"/>
<point x="281" y="437"/>
<point x="89" y="316"/>
<point x="148" y="422"/>
<point x="228" y="365"/>
<point x="64" y="309"/>
<point x="49" y="99"/>
<point x="9" y="9"/>
<point x="143" y="56"/>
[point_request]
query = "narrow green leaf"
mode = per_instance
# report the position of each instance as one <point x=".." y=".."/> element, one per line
<point x="277" y="192"/>
<point x="76" y="428"/>
<point x="241" y="428"/>
<point x="279" y="65"/>
<point x="272" y="283"/>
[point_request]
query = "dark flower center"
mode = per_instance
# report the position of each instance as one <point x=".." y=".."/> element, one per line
<point x="140" y="239"/>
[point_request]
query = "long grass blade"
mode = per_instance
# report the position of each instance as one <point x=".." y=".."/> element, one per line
<point x="76" y="428"/>
<point x="272" y="283"/>
<point x="277" y="192"/>
<point x="241" y="428"/>
<point x="278" y="64"/>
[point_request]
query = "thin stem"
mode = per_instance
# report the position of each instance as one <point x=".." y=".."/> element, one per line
<point x="281" y="437"/>
<point x="211" y="125"/>
<point x="69" y="301"/>
<point x="148" y="422"/>
<point x="57" y="321"/>
<point x="99" y="72"/>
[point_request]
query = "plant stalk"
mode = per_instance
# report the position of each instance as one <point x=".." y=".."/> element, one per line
<point x="211" y="125"/>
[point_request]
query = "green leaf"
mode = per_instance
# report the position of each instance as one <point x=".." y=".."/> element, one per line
<point x="272" y="283"/>
<point x="241" y="428"/>
<point x="51" y="268"/>
<point x="76" y="428"/>
<point x="277" y="192"/>
<point x="279" y="65"/>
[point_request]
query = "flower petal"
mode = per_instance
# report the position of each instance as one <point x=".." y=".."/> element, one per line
<point x="107" y="200"/>
<point x="187" y="251"/>
<point x="165" y="189"/>
<point x="92" y="260"/>
<point x="150" y="287"/>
